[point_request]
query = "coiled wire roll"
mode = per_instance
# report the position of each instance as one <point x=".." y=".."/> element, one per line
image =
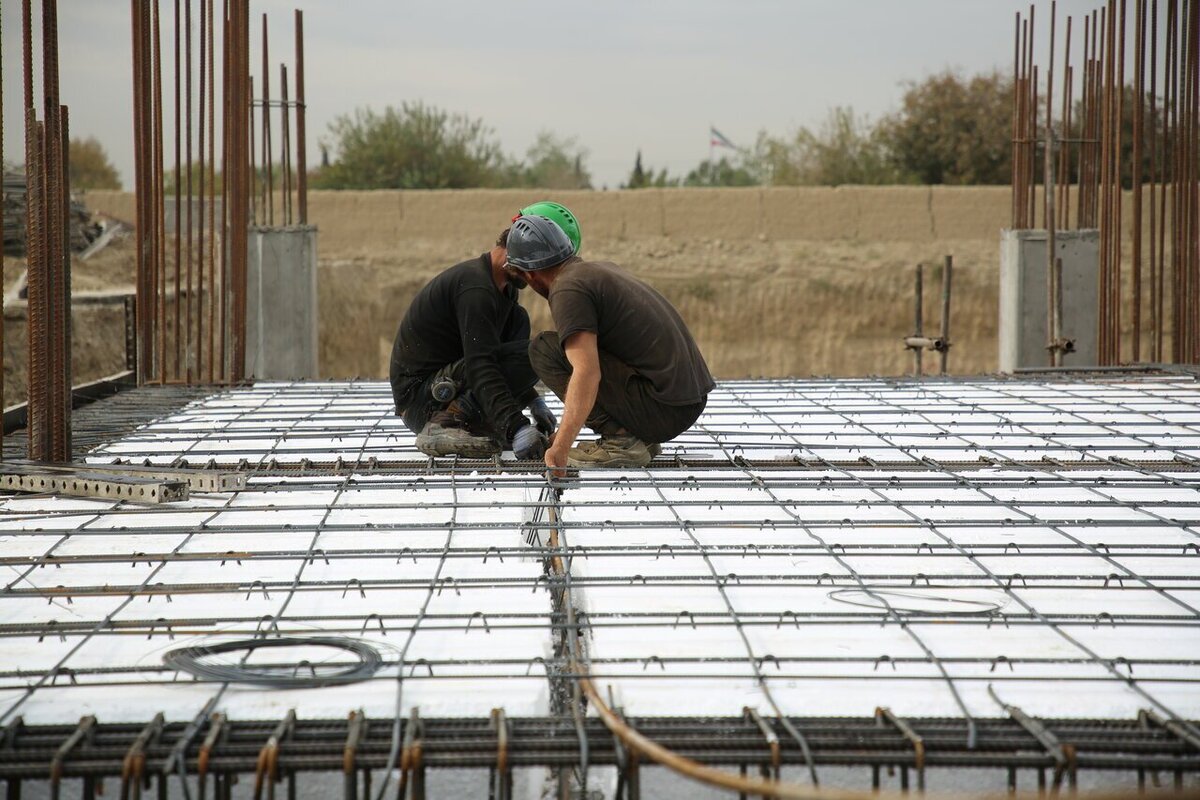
<point x="279" y="676"/>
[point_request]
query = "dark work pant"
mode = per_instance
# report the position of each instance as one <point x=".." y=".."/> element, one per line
<point x="624" y="399"/>
<point x="514" y="366"/>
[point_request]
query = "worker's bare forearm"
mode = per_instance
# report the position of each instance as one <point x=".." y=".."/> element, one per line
<point x="583" y="353"/>
<point x="581" y="398"/>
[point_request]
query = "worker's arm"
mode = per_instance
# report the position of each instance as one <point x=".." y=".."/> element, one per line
<point x="480" y="331"/>
<point x="582" y="388"/>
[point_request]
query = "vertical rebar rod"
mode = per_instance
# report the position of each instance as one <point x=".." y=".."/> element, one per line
<point x="2" y="324"/>
<point x="203" y="192"/>
<point x="1179" y="175"/>
<point x="947" y="274"/>
<point x="301" y="125"/>
<point x="257" y="205"/>
<point x="139" y="179"/>
<point x="226" y="120"/>
<point x="268" y="178"/>
<point x="175" y="311"/>
<point x="1139" y="67"/>
<point x="1187" y="326"/>
<point x="158" y="312"/>
<point x="1102" y="188"/>
<point x="285" y="146"/>
<point x="1164" y="180"/>
<point x="1118" y="187"/>
<point x="1193" y="174"/>
<point x="1064" y="159"/>
<point x="240" y="25"/>
<point x="1085" y="119"/>
<point x="918" y="319"/>
<point x="1022" y="151"/>
<point x="212" y="204"/>
<point x="1048" y="181"/>
<point x="1173" y="129"/>
<point x="1031" y="73"/>
<point x="1155" y="285"/>
<point x="189" y="247"/>
<point x="1015" y="168"/>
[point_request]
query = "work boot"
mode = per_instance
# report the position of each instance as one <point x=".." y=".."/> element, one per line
<point x="655" y="449"/>
<point x="610" y="451"/>
<point x="453" y="431"/>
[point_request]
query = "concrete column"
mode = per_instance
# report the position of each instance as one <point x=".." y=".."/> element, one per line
<point x="281" y="303"/>
<point x="1023" y="297"/>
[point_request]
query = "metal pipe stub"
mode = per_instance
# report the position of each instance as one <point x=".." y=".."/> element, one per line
<point x="936" y="343"/>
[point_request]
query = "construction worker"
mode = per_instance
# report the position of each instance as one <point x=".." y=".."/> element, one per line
<point x="460" y="369"/>
<point x="621" y="357"/>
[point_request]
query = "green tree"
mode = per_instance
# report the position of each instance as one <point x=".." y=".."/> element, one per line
<point x="554" y="163"/>
<point x="89" y="166"/>
<point x="846" y="149"/>
<point x="414" y="146"/>
<point x="642" y="178"/>
<point x="953" y="130"/>
<point x="720" y="173"/>
<point x="637" y="178"/>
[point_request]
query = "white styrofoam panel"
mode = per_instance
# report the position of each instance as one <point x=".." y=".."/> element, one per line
<point x="812" y="614"/>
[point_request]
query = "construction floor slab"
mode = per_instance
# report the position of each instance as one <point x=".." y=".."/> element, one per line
<point x="947" y="549"/>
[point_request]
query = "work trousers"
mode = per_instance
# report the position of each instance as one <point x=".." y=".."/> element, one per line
<point x="513" y="358"/>
<point x="624" y="399"/>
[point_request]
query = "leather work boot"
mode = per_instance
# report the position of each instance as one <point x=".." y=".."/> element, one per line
<point x="655" y="449"/>
<point x="610" y="451"/>
<point x="453" y="432"/>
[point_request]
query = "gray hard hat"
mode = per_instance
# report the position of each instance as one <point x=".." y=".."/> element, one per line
<point x="536" y="242"/>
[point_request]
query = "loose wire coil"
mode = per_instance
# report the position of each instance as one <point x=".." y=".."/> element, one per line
<point x="279" y="676"/>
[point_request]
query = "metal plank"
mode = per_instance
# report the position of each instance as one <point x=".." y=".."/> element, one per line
<point x="93" y="484"/>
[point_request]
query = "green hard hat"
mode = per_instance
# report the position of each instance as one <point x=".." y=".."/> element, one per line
<point x="559" y="214"/>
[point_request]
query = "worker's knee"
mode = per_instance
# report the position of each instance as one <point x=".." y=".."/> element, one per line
<point x="546" y="354"/>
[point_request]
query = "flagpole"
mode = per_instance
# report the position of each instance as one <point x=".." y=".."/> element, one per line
<point x="712" y="177"/>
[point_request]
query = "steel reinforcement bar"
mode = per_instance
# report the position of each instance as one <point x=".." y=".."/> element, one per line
<point x="221" y="748"/>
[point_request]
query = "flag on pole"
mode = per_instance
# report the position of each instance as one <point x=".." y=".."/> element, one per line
<point x="718" y="139"/>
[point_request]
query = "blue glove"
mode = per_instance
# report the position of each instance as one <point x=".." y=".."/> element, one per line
<point x="529" y="444"/>
<point x="543" y="417"/>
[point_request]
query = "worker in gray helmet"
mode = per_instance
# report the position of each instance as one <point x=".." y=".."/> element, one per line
<point x="460" y="371"/>
<point x="620" y="356"/>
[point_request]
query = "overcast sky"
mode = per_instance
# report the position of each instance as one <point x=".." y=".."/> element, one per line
<point x="619" y="75"/>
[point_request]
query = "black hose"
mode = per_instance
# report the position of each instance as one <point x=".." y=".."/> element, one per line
<point x="279" y="676"/>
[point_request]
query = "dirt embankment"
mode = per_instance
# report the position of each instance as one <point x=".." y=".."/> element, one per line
<point x="772" y="282"/>
<point x="767" y="309"/>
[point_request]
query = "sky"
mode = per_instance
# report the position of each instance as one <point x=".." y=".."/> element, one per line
<point x="618" y="75"/>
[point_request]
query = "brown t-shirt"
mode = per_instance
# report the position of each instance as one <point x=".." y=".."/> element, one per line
<point x="634" y="323"/>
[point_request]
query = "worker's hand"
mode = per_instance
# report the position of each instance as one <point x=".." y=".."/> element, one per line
<point x="556" y="459"/>
<point x="543" y="417"/>
<point x="528" y="443"/>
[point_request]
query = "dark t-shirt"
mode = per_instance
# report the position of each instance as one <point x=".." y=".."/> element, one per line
<point x="634" y="323"/>
<point x="461" y="314"/>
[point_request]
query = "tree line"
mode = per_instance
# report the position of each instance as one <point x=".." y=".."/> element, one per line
<point x="948" y="129"/>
